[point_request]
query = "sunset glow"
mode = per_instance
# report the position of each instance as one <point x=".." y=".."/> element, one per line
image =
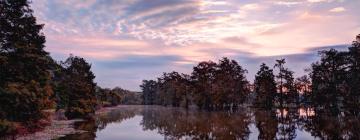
<point x="131" y="40"/>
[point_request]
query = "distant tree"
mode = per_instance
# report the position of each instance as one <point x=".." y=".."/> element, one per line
<point x="171" y="89"/>
<point x="114" y="98"/>
<point x="107" y="97"/>
<point x="203" y="76"/>
<point x="285" y="83"/>
<point x="291" y="95"/>
<point x="148" y="88"/>
<point x="128" y="97"/>
<point x="230" y="85"/>
<point x="281" y="76"/>
<point x="265" y="86"/>
<point x="218" y="86"/>
<point x="303" y="87"/>
<point x="80" y="87"/>
<point x="210" y="86"/>
<point x="24" y="77"/>
<point x="185" y="86"/>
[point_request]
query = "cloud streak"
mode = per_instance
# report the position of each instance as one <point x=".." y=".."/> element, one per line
<point x="137" y="39"/>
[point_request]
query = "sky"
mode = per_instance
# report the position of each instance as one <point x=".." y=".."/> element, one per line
<point x="127" y="41"/>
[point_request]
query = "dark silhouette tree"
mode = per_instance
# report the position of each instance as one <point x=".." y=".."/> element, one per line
<point x="203" y="76"/>
<point x="219" y="86"/>
<point x="291" y="94"/>
<point x="265" y="87"/>
<point x="185" y="86"/>
<point x="329" y="78"/>
<point x="285" y="84"/>
<point x="210" y="86"/>
<point x="149" y="88"/>
<point x="230" y="85"/>
<point x="281" y="76"/>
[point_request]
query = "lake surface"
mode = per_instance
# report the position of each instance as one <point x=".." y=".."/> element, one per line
<point x="157" y="123"/>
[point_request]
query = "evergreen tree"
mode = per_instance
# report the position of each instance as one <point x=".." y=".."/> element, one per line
<point x="24" y="77"/>
<point x="79" y="88"/>
<point x="280" y="77"/>
<point x="265" y="86"/>
<point x="285" y="83"/>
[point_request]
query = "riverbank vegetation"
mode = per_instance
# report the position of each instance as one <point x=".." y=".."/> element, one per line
<point x="31" y="81"/>
<point x="331" y="83"/>
<point x="210" y="86"/>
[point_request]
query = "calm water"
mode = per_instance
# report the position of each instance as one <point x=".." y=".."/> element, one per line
<point x="157" y="123"/>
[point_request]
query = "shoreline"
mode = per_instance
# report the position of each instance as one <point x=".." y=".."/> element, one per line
<point x="57" y="128"/>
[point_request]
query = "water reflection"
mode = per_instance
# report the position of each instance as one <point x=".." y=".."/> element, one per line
<point x="182" y="124"/>
<point x="156" y="122"/>
<point x="266" y="122"/>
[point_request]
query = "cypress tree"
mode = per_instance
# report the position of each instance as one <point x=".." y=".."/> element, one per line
<point x="265" y="86"/>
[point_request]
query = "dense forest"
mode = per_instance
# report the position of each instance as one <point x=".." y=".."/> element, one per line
<point x="31" y="81"/>
<point x="332" y="83"/>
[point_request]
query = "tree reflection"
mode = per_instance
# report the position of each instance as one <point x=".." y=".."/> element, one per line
<point x="267" y="123"/>
<point x="281" y="123"/>
<point x="89" y="126"/>
<point x="287" y="118"/>
<point x="321" y="123"/>
<point x="184" y="124"/>
<point x="330" y="124"/>
<point x="117" y="115"/>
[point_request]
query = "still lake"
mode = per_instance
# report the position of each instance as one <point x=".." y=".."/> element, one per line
<point x="157" y="123"/>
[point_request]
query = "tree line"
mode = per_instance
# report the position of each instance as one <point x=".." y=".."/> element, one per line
<point x="332" y="82"/>
<point x="31" y="81"/>
<point x="210" y="86"/>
